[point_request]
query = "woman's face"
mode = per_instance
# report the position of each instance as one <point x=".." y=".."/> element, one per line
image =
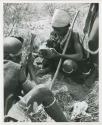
<point x="61" y="31"/>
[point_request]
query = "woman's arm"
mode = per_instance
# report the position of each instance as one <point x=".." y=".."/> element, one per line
<point x="77" y="56"/>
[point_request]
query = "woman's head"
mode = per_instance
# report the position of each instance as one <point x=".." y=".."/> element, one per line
<point x="12" y="48"/>
<point x="60" y="22"/>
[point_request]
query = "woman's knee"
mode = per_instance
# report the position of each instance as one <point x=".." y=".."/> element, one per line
<point x="69" y="66"/>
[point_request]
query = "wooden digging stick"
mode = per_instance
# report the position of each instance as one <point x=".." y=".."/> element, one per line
<point x="64" y="50"/>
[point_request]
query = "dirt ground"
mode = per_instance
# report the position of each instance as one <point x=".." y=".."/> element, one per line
<point x="67" y="92"/>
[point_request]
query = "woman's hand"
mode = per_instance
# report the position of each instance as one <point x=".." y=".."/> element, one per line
<point x="49" y="53"/>
<point x="54" y="54"/>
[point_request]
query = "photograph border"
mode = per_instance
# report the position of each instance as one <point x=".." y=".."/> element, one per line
<point x="100" y="54"/>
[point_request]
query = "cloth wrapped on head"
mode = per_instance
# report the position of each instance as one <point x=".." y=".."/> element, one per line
<point x="60" y="18"/>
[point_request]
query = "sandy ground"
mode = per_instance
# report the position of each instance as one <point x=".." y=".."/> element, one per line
<point x="67" y="92"/>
